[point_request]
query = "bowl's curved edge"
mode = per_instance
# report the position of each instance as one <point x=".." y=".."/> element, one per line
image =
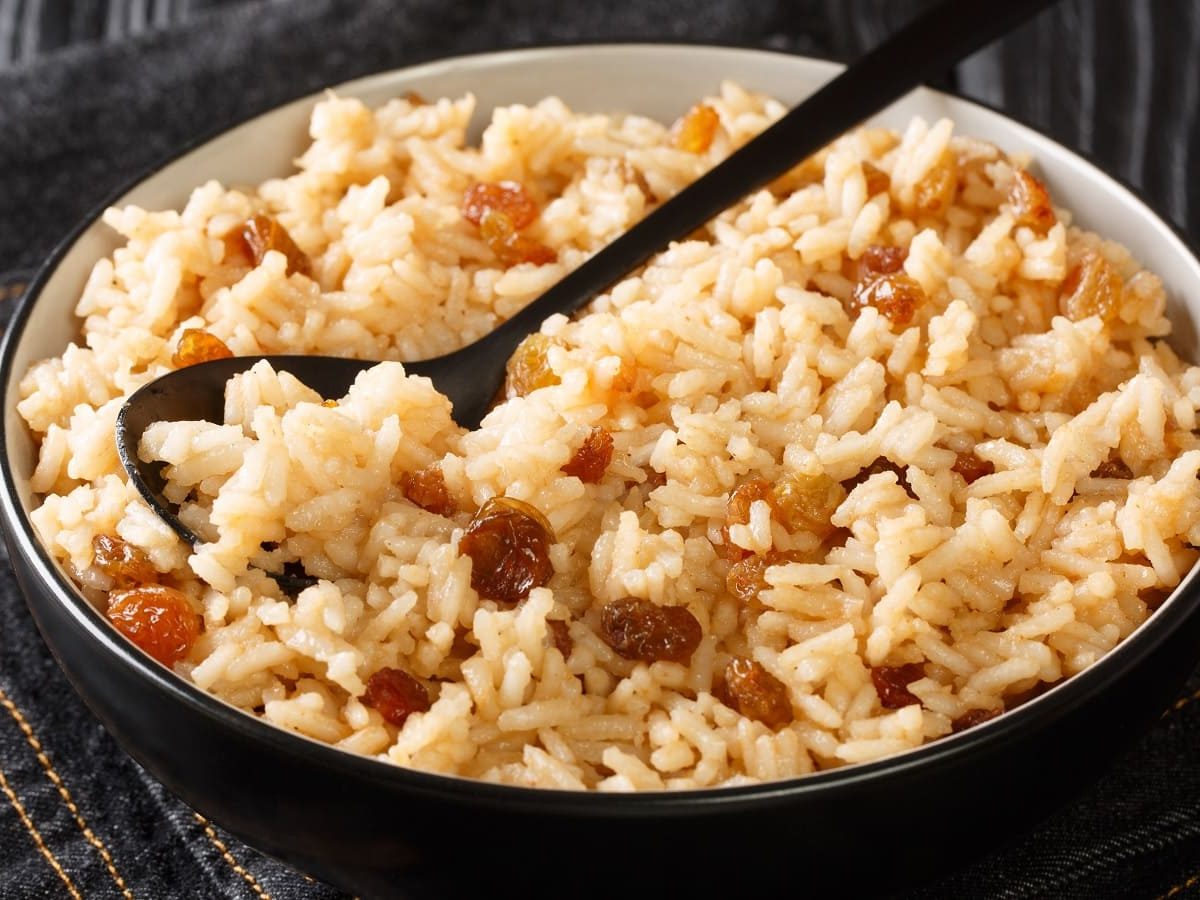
<point x="1184" y="602"/>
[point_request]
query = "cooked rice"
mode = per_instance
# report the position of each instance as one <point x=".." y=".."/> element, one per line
<point x="747" y="365"/>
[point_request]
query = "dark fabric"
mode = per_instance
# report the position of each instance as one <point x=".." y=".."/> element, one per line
<point x="94" y="91"/>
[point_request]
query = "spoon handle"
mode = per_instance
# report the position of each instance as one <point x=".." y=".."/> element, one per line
<point x="924" y="48"/>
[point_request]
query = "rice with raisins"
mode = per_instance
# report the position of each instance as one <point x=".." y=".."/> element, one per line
<point x="881" y="451"/>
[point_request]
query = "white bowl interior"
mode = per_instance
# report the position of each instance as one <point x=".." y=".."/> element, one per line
<point x="660" y="81"/>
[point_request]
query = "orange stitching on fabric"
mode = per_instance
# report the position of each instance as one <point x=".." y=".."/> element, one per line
<point x="228" y="857"/>
<point x="57" y="781"/>
<point x="1182" y="702"/>
<point x="37" y="836"/>
<point x="1183" y="886"/>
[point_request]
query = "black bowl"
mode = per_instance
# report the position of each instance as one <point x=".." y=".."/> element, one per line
<point x="377" y="829"/>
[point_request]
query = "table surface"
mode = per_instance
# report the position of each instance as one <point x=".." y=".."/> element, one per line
<point x="95" y="90"/>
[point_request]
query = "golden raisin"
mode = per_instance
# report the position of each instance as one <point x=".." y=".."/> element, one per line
<point x="934" y="193"/>
<point x="396" y="695"/>
<point x="426" y="488"/>
<point x="159" y="619"/>
<point x="1091" y="288"/>
<point x="645" y="631"/>
<point x="529" y="367"/>
<point x="507" y="197"/>
<point x="896" y="296"/>
<point x="1031" y="202"/>
<point x="747" y="578"/>
<point x="974" y="717"/>
<point x="807" y="502"/>
<point x="880" y="260"/>
<point x="971" y="467"/>
<point x="754" y="692"/>
<point x="127" y="565"/>
<point x="415" y="98"/>
<point x="696" y="130"/>
<point x="521" y="249"/>
<point x="878" y="181"/>
<point x="511" y="247"/>
<point x="197" y="346"/>
<point x="560" y="636"/>
<point x="236" y="251"/>
<point x="591" y="460"/>
<point x="264" y="233"/>
<point x="891" y="683"/>
<point x="626" y="377"/>
<point x="496" y="227"/>
<point x="737" y="511"/>
<point x="509" y="545"/>
<point x="1112" y="468"/>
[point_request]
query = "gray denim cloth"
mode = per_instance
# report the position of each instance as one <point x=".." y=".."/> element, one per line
<point x="92" y="92"/>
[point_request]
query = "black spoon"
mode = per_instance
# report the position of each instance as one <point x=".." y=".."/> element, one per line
<point x="926" y="47"/>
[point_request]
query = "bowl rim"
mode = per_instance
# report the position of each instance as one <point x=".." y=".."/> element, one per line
<point x="1034" y="715"/>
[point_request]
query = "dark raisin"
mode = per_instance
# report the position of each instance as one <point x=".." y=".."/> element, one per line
<point x="881" y="464"/>
<point x="645" y="631"/>
<point x="396" y="695"/>
<point x="654" y="479"/>
<point x="974" y="717"/>
<point x="754" y="692"/>
<point x="127" y="565"/>
<point x="880" y="260"/>
<point x="1113" y="467"/>
<point x="591" y="460"/>
<point x="971" y="467"/>
<point x="426" y="488"/>
<point x="157" y="618"/>
<point x="509" y="545"/>
<point x="263" y="233"/>
<point x="559" y="634"/>
<point x="891" y="683"/>
<point x="1153" y="597"/>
